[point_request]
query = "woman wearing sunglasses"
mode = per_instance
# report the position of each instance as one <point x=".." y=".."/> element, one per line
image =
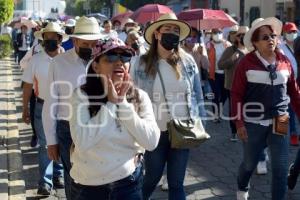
<point x="112" y="124"/>
<point x="180" y="75"/>
<point x="262" y="88"/>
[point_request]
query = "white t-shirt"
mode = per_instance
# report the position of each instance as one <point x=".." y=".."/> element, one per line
<point x="37" y="73"/>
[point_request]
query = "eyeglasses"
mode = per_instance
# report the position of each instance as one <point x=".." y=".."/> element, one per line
<point x="123" y="57"/>
<point x="267" y="37"/>
<point x="272" y="71"/>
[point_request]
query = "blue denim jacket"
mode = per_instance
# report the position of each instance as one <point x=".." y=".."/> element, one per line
<point x="189" y="71"/>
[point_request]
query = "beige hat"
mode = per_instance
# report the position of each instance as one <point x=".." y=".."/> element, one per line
<point x="275" y="23"/>
<point x="87" y="28"/>
<point x="234" y="28"/>
<point x="51" y="27"/>
<point x="70" y="23"/>
<point x="242" y="30"/>
<point x="169" y="18"/>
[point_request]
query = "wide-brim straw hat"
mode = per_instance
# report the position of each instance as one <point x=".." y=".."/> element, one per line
<point x="87" y="28"/>
<point x="51" y="27"/>
<point x="275" y="23"/>
<point x="169" y="18"/>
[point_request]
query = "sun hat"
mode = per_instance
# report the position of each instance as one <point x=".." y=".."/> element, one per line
<point x="70" y="23"/>
<point x="234" y="28"/>
<point x="51" y="27"/>
<point x="168" y="18"/>
<point x="108" y="44"/>
<point x="275" y="23"/>
<point x="289" y="26"/>
<point x="87" y="28"/>
<point x="242" y="30"/>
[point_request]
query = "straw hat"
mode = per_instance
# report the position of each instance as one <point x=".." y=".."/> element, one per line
<point x="242" y="30"/>
<point x="87" y="28"/>
<point x="270" y="21"/>
<point x="169" y="18"/>
<point x="70" y="23"/>
<point x="51" y="27"/>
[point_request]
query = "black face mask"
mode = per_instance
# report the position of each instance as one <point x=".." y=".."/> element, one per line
<point x="135" y="46"/>
<point x="85" y="53"/>
<point x="50" y="45"/>
<point x="242" y="41"/>
<point x="68" y="30"/>
<point x="169" y="41"/>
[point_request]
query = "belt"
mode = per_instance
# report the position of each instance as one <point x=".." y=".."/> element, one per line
<point x="39" y="100"/>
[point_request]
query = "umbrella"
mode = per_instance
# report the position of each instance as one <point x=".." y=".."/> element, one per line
<point x="149" y="12"/>
<point x="205" y="19"/>
<point x="29" y="23"/>
<point x="123" y="17"/>
<point x="100" y="17"/>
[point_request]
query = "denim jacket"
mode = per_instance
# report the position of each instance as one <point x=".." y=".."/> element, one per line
<point x="190" y="74"/>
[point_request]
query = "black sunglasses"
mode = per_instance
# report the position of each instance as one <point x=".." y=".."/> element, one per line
<point x="267" y="37"/>
<point x="272" y="71"/>
<point x="123" y="57"/>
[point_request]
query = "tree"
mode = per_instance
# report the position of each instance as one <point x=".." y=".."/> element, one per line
<point x="6" y="10"/>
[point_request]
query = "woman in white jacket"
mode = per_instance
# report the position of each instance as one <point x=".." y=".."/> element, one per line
<point x="112" y="124"/>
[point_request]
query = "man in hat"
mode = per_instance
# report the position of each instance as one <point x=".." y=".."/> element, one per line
<point x="69" y="29"/>
<point x="128" y="26"/>
<point x="24" y="42"/>
<point x="36" y="74"/>
<point x="290" y="33"/>
<point x="67" y="72"/>
<point x="262" y="88"/>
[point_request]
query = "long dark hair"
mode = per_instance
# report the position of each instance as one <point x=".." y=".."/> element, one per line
<point x="94" y="88"/>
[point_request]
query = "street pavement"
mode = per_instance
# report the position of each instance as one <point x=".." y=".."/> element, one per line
<point x="211" y="172"/>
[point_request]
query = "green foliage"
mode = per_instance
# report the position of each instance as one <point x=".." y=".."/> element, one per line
<point x="75" y="7"/>
<point x="5" y="45"/>
<point x="6" y="10"/>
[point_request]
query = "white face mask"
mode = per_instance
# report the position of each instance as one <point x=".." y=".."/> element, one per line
<point x="217" y="37"/>
<point x="291" y="36"/>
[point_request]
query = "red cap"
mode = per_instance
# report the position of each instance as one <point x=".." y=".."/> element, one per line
<point x="289" y="26"/>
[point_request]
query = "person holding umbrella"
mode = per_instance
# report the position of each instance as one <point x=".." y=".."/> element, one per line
<point x="179" y="74"/>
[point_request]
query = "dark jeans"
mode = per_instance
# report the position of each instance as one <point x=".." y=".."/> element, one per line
<point x="21" y="54"/>
<point x="219" y="91"/>
<point x="231" y="122"/>
<point x="297" y="162"/>
<point x="155" y="161"/>
<point x="129" y="188"/>
<point x="258" y="137"/>
<point x="32" y="108"/>
<point x="292" y="121"/>
<point x="64" y="143"/>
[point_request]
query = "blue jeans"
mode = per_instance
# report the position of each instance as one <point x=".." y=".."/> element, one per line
<point x="129" y="188"/>
<point x="258" y="137"/>
<point x="48" y="169"/>
<point x="154" y="166"/>
<point x="64" y="143"/>
<point x="297" y="162"/>
<point x="292" y="121"/>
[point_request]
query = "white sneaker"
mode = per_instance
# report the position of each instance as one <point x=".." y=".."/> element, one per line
<point x="164" y="185"/>
<point x="241" y="195"/>
<point x="261" y="168"/>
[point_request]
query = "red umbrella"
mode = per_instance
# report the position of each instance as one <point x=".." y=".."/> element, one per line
<point x="149" y="12"/>
<point x="204" y="19"/>
<point x="123" y="17"/>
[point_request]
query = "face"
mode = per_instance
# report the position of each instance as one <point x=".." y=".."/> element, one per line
<point x="114" y="64"/>
<point x="51" y="36"/>
<point x="167" y="28"/>
<point x="267" y="40"/>
<point x="132" y="38"/>
<point x="24" y="29"/>
<point x="84" y="44"/>
<point x="117" y="25"/>
<point x="107" y="27"/>
<point x="239" y="37"/>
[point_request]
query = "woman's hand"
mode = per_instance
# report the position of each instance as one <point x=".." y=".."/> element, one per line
<point x="117" y="92"/>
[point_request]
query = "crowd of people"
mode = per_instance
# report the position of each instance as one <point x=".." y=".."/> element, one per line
<point x="99" y="98"/>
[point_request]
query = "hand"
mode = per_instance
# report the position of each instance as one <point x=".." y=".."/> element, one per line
<point x="53" y="152"/>
<point x="242" y="134"/>
<point x="26" y="116"/>
<point x="117" y="91"/>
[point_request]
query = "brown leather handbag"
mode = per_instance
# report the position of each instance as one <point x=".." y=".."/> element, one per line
<point x="281" y="124"/>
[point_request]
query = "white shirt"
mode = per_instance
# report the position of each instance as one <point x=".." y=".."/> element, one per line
<point x="24" y="46"/>
<point x="122" y="36"/>
<point x="37" y="73"/>
<point x="289" y="52"/>
<point x="66" y="72"/>
<point x="111" y="34"/>
<point x="175" y="93"/>
<point x="34" y="50"/>
<point x="104" y="152"/>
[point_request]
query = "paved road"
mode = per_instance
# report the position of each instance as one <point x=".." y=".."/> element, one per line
<point x="211" y="172"/>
